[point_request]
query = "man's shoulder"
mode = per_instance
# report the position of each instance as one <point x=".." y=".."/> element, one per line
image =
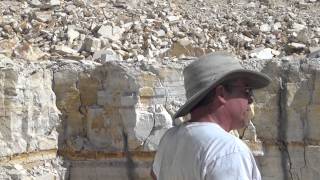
<point x="205" y="135"/>
<point x="207" y="131"/>
<point x="194" y="133"/>
<point x="217" y="141"/>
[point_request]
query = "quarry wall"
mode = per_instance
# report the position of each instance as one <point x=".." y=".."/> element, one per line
<point x="87" y="88"/>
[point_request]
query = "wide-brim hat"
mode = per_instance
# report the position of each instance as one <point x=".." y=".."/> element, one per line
<point x="204" y="74"/>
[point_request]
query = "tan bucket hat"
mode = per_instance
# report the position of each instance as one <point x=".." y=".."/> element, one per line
<point x="210" y="70"/>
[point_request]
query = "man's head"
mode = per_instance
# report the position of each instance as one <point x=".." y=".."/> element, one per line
<point x="228" y="104"/>
<point x="218" y="79"/>
<point x="235" y="101"/>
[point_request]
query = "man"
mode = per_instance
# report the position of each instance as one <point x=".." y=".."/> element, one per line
<point x="219" y="92"/>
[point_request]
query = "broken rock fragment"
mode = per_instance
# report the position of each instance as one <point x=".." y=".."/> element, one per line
<point x="72" y="35"/>
<point x="7" y="46"/>
<point x="106" y="55"/>
<point x="298" y="27"/>
<point x="92" y="44"/>
<point x="295" y="48"/>
<point x="28" y="52"/>
<point x="264" y="53"/>
<point x="183" y="47"/>
<point x="43" y="16"/>
<point x="64" y="50"/>
<point x="173" y="19"/>
<point x="314" y="52"/>
<point x="44" y="3"/>
<point x="110" y="32"/>
<point x="265" y="28"/>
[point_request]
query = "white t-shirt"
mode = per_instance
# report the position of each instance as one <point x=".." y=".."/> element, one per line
<point x="203" y="151"/>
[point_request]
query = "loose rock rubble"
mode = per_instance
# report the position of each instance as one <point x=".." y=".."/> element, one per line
<point x="47" y="169"/>
<point x="50" y="29"/>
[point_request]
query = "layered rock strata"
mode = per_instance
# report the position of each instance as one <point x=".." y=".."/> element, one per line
<point x="70" y="119"/>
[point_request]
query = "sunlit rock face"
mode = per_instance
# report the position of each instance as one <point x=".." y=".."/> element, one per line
<point x="29" y="121"/>
<point x="70" y="107"/>
<point x="28" y="111"/>
<point x="287" y="119"/>
<point x="111" y="116"/>
<point x="114" y="113"/>
<point x="106" y="107"/>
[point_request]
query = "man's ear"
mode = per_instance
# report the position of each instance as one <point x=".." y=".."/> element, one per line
<point x="220" y="94"/>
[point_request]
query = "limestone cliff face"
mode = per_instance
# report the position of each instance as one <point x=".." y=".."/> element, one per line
<point x="82" y="120"/>
<point x="105" y="106"/>
<point x="28" y="113"/>
<point x="83" y="110"/>
<point x="29" y="119"/>
<point x="287" y="120"/>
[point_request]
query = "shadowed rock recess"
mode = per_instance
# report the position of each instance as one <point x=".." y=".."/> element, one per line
<point x="88" y="87"/>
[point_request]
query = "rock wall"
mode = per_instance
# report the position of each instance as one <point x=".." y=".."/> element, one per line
<point x="88" y="87"/>
<point x="29" y="121"/>
<point x="288" y="120"/>
<point x="83" y="120"/>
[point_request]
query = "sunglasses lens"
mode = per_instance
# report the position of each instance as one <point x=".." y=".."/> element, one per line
<point x="249" y="92"/>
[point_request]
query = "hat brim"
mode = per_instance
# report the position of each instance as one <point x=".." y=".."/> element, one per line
<point x="256" y="80"/>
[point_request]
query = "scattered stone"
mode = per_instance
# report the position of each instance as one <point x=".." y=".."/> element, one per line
<point x="92" y="44"/>
<point x="36" y="3"/>
<point x="173" y="19"/>
<point x="160" y="33"/>
<point x="115" y="46"/>
<point x="265" y="28"/>
<point x="298" y="27"/>
<point x="251" y="5"/>
<point x="244" y="38"/>
<point x="106" y="55"/>
<point x="72" y="34"/>
<point x="45" y="4"/>
<point x="64" y="50"/>
<point x="314" y="49"/>
<point x="276" y="26"/>
<point x="264" y="53"/>
<point x="121" y="4"/>
<point x="43" y="16"/>
<point x="123" y="54"/>
<point x="140" y="58"/>
<point x="157" y="28"/>
<point x="53" y="3"/>
<point x="80" y="3"/>
<point x="7" y="46"/>
<point x="314" y="52"/>
<point x="295" y="48"/>
<point x="297" y="45"/>
<point x="110" y="32"/>
<point x="182" y="46"/>
<point x="28" y="52"/>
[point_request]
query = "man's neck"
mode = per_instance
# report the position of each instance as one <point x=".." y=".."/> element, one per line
<point x="202" y="115"/>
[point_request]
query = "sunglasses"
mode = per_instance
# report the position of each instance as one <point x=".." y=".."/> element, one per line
<point x="248" y="91"/>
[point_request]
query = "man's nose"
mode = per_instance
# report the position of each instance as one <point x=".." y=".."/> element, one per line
<point x="250" y="99"/>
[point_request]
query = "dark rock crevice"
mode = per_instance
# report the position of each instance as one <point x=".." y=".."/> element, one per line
<point x="130" y="165"/>
<point x="283" y="124"/>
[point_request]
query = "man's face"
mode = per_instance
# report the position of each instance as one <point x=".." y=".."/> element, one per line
<point x="238" y="102"/>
